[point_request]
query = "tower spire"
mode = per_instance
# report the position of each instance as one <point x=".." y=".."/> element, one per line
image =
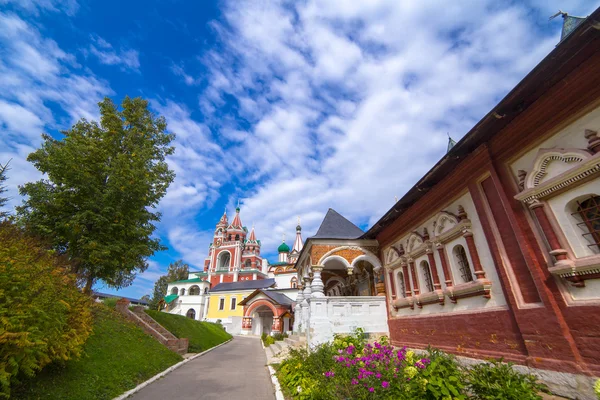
<point x="298" y="242"/>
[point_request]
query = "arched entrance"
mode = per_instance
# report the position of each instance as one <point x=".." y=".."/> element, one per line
<point x="266" y="312"/>
<point x="340" y="278"/>
<point x="191" y="313"/>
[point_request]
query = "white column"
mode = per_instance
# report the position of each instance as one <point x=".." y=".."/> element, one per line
<point x="317" y="284"/>
<point x="254" y="276"/>
<point x="298" y="310"/>
<point x="305" y="305"/>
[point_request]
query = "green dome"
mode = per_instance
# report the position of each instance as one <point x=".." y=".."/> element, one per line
<point x="283" y="248"/>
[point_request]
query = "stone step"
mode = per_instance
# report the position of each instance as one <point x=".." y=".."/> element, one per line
<point x="298" y="338"/>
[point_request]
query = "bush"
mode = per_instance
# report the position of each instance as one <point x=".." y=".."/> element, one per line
<point x="269" y="340"/>
<point x="499" y="381"/>
<point x="43" y="317"/>
<point x="280" y="336"/>
<point x="597" y="389"/>
<point x="110" y="302"/>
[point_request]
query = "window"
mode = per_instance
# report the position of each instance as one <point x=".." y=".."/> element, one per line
<point x="248" y="264"/>
<point x="294" y="282"/>
<point x="427" y="275"/>
<point x="205" y="290"/>
<point x="237" y="237"/>
<point x="463" y="263"/>
<point x="191" y="313"/>
<point x="221" y="304"/>
<point x="233" y="303"/>
<point x="182" y="292"/>
<point x="224" y="259"/>
<point x="194" y="290"/>
<point x="589" y="212"/>
<point x="401" y="284"/>
<point x="174" y="290"/>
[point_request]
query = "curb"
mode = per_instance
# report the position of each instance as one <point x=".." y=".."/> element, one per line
<point x="278" y="393"/>
<point x="168" y="370"/>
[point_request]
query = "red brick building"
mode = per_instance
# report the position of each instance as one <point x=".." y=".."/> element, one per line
<point x="495" y="252"/>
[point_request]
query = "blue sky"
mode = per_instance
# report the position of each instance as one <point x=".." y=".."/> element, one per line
<point x="288" y="107"/>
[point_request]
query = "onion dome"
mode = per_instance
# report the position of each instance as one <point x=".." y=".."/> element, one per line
<point x="283" y="248"/>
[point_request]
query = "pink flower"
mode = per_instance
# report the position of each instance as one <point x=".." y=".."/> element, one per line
<point x="385" y="384"/>
<point x="371" y="389"/>
<point x="329" y="374"/>
<point x="354" y="381"/>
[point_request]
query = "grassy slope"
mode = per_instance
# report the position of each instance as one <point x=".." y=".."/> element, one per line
<point x="202" y="335"/>
<point x="118" y="356"/>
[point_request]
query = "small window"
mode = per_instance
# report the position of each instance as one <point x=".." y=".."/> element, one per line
<point x="182" y="292"/>
<point x="401" y="283"/>
<point x="237" y="237"/>
<point x="233" y="303"/>
<point x="463" y="263"/>
<point x="427" y="275"/>
<point x="191" y="313"/>
<point x="294" y="282"/>
<point x="589" y="212"/>
<point x="174" y="290"/>
<point x="248" y="264"/>
<point x="194" y="290"/>
<point x="205" y="290"/>
<point x="221" y="304"/>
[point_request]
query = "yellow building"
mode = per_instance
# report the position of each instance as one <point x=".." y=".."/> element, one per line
<point x="224" y="299"/>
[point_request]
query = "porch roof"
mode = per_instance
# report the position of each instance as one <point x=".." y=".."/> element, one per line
<point x="279" y="299"/>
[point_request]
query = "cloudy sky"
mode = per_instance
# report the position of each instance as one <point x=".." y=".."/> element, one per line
<point x="288" y="107"/>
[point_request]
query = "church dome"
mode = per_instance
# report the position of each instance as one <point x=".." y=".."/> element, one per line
<point x="283" y="248"/>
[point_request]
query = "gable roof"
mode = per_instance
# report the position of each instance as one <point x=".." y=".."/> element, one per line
<point x="335" y="226"/>
<point x="243" y="285"/>
<point x="276" y="297"/>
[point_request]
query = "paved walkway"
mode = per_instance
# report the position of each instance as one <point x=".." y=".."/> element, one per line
<point x="234" y="371"/>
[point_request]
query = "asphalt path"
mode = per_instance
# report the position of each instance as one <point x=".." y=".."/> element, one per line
<point x="233" y="371"/>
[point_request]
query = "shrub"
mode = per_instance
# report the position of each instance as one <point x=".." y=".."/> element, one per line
<point x="269" y="340"/>
<point x="111" y="302"/>
<point x="445" y="379"/>
<point x="280" y="336"/>
<point x="43" y="317"/>
<point x="597" y="389"/>
<point x="499" y="381"/>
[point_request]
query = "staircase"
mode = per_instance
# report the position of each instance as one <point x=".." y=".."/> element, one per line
<point x="279" y="350"/>
<point x="151" y="327"/>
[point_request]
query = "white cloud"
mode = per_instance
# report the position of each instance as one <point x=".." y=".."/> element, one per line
<point x="128" y="59"/>
<point x="35" y="7"/>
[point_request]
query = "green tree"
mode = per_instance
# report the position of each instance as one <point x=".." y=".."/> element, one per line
<point x="177" y="271"/>
<point x="43" y="316"/>
<point x="3" y="178"/>
<point x="104" y="182"/>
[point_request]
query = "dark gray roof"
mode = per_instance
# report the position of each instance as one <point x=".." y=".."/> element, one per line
<point x="335" y="226"/>
<point x="244" y="285"/>
<point x="278" y="298"/>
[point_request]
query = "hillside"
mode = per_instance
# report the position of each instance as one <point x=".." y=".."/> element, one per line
<point x="117" y="357"/>
<point x="202" y="335"/>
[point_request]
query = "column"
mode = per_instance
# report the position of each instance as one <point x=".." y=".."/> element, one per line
<point x="559" y="253"/>
<point x="391" y="284"/>
<point x="442" y="253"/>
<point x="434" y="272"/>
<point x="413" y="273"/>
<point x="298" y="309"/>
<point x="305" y="305"/>
<point x="276" y="327"/>
<point x="379" y="281"/>
<point x="479" y="272"/>
<point x="407" y="285"/>
<point x="317" y="284"/>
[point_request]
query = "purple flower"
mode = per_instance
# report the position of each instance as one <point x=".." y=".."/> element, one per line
<point x="329" y="374"/>
<point x="371" y="389"/>
<point x="378" y="376"/>
<point x="350" y="349"/>
<point x="385" y="384"/>
<point x="354" y="381"/>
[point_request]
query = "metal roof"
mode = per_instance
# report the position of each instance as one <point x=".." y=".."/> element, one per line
<point x="243" y="285"/>
<point x="277" y="297"/>
<point x="335" y="226"/>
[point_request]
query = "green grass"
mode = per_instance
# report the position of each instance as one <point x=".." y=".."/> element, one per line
<point x="202" y="335"/>
<point x="117" y="357"/>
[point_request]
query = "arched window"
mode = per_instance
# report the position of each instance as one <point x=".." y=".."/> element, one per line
<point x="589" y="213"/>
<point x="427" y="275"/>
<point x="248" y="264"/>
<point x="223" y="264"/>
<point x="182" y="292"/>
<point x="294" y="282"/>
<point x="237" y="237"/>
<point x="205" y="290"/>
<point x="401" y="284"/>
<point x="194" y="290"/>
<point x="191" y="313"/>
<point x="463" y="263"/>
<point x="174" y="290"/>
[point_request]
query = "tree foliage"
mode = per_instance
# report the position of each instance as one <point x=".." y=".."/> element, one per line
<point x="104" y="180"/>
<point x="177" y="271"/>
<point x="3" y="200"/>
<point x="43" y="316"/>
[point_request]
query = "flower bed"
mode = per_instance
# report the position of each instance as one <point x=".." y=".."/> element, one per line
<point x="350" y="368"/>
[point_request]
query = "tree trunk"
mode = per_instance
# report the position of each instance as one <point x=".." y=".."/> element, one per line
<point x="87" y="289"/>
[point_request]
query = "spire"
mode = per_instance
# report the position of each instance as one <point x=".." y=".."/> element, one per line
<point x="237" y="221"/>
<point x="223" y="221"/>
<point x="252" y="237"/>
<point x="569" y="23"/>
<point x="298" y="242"/>
<point x="451" y="143"/>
